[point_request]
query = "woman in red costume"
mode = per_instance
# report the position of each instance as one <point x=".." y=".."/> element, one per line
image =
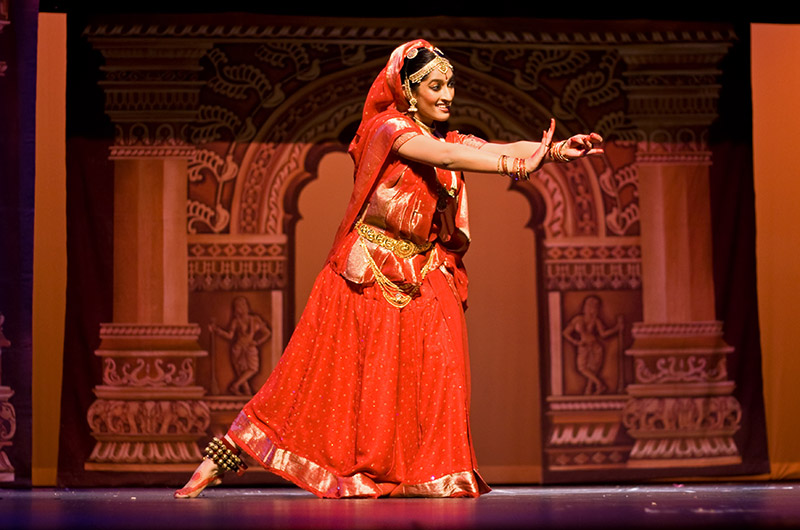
<point x="371" y="396"/>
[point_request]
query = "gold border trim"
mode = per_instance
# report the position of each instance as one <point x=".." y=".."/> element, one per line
<point x="324" y="483"/>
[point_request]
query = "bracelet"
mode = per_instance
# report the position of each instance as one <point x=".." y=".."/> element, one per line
<point x="523" y="170"/>
<point x="501" y="163"/>
<point x="555" y="152"/>
<point x="518" y="170"/>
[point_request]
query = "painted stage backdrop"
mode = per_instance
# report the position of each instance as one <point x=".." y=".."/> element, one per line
<point x="190" y="140"/>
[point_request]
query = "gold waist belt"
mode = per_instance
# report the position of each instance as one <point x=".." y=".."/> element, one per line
<point x="401" y="248"/>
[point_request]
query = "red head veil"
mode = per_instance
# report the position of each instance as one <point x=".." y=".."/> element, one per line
<point x="386" y="93"/>
<point x="385" y="96"/>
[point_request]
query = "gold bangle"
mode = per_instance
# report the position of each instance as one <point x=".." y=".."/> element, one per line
<point x="558" y="154"/>
<point x="555" y="152"/>
<point x="500" y="163"/>
<point x="524" y="174"/>
<point x="518" y="169"/>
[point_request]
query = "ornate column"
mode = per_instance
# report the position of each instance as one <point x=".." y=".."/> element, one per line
<point x="8" y="416"/>
<point x="149" y="411"/>
<point x="681" y="411"/>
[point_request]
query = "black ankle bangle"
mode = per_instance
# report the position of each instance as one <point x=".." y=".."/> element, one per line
<point x="221" y="454"/>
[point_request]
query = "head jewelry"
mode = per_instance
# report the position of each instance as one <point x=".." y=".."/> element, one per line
<point x="438" y="61"/>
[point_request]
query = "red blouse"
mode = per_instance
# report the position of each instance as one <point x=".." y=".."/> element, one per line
<point x="409" y="201"/>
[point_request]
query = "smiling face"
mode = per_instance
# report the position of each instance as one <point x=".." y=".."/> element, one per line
<point x="434" y="96"/>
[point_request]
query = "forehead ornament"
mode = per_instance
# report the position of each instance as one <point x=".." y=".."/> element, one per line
<point x="437" y="62"/>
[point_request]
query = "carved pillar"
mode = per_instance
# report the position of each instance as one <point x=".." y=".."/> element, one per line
<point x="8" y="416"/>
<point x="149" y="411"/>
<point x="680" y="411"/>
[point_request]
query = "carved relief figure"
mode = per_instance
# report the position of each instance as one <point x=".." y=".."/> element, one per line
<point x="587" y="332"/>
<point x="246" y="332"/>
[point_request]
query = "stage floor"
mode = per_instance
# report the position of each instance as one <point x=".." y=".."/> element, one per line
<point x="688" y="505"/>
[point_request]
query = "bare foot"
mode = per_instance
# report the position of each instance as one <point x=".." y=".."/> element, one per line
<point x="206" y="474"/>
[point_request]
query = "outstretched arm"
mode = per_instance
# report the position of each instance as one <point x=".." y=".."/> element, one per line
<point x="576" y="146"/>
<point x="487" y="159"/>
<point x="458" y="157"/>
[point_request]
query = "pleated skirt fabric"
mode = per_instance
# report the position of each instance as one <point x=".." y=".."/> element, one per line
<point x="369" y="400"/>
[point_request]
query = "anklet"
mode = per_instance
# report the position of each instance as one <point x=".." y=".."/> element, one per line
<point x="220" y="452"/>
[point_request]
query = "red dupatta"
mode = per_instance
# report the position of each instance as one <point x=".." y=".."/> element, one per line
<point x="368" y="150"/>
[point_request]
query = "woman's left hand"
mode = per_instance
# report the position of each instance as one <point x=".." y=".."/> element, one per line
<point x="580" y="145"/>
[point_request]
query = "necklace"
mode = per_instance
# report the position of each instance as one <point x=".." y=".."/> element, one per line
<point x="424" y="127"/>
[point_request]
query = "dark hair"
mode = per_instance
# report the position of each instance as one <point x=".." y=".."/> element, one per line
<point x="423" y="57"/>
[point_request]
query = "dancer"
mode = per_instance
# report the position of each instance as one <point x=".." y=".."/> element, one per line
<point x="371" y="396"/>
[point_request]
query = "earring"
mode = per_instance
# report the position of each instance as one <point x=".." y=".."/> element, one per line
<point x="412" y="101"/>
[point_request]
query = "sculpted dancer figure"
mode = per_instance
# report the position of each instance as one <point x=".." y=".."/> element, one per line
<point x="246" y="332"/>
<point x="586" y="331"/>
<point x="371" y="396"/>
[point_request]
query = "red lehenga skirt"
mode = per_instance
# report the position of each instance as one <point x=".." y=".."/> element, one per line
<point x="369" y="400"/>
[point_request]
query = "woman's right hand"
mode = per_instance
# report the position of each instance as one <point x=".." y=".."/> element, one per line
<point x="537" y="159"/>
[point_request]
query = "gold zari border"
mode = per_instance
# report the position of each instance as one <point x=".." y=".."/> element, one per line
<point x="315" y="478"/>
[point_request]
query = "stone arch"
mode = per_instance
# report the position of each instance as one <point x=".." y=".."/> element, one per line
<point x="312" y="116"/>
